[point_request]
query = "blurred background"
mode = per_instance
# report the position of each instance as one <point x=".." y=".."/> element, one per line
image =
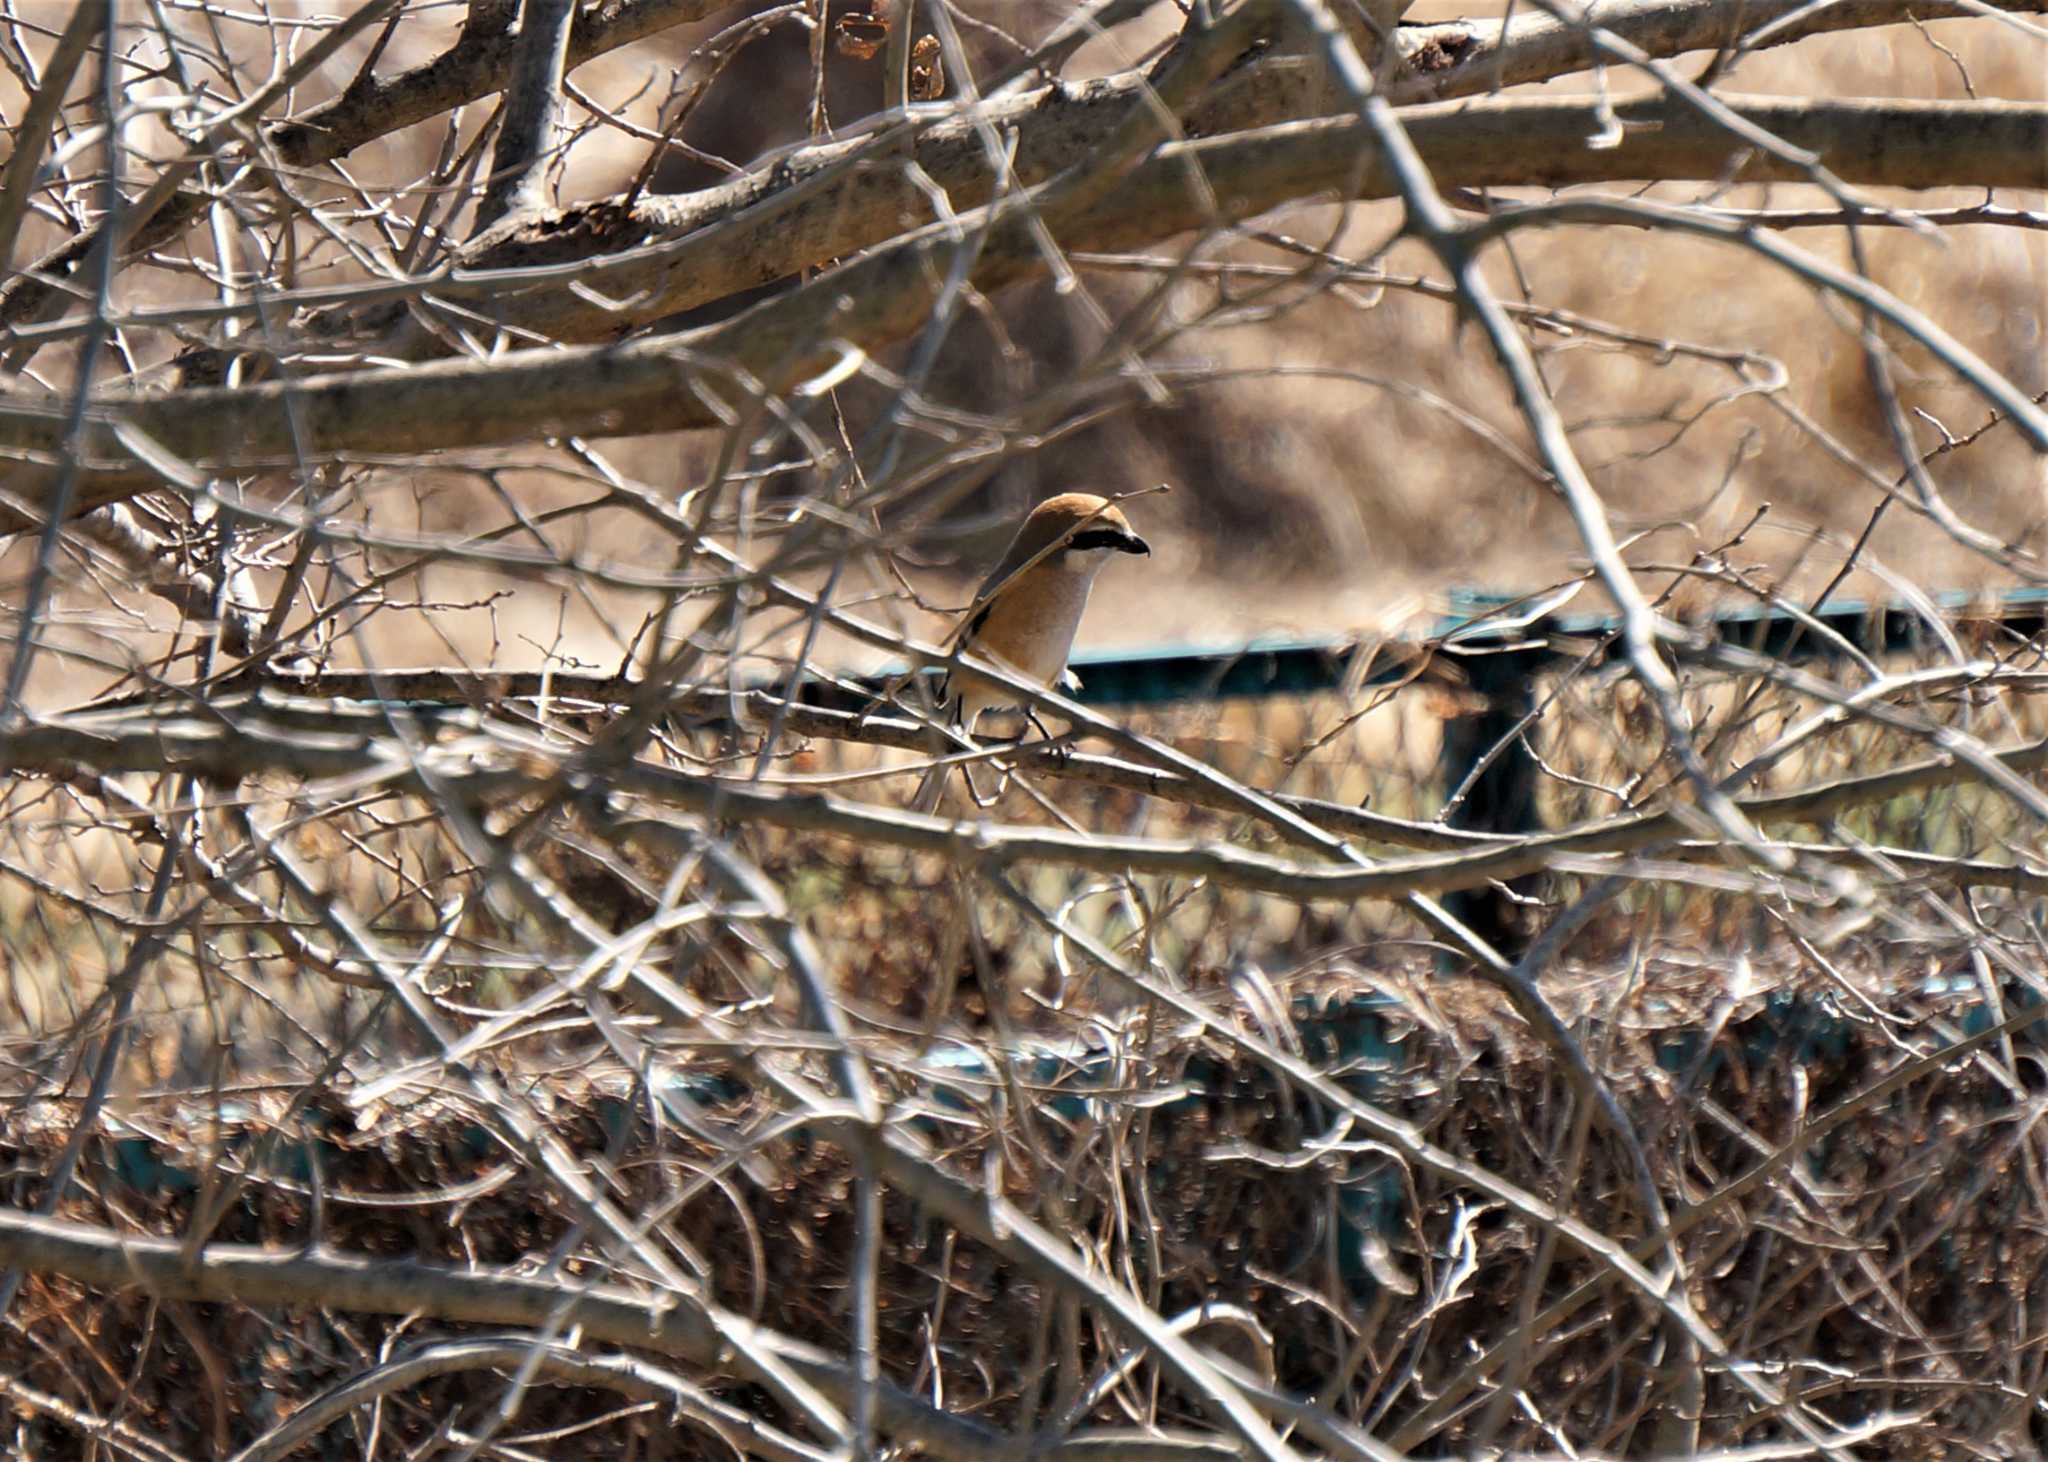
<point x="1326" y="478"/>
<point x="1341" y="455"/>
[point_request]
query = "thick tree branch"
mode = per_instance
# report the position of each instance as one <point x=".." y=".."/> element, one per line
<point x="32" y="134"/>
<point x="1444" y="60"/>
<point x="645" y="386"/>
<point x="476" y="65"/>
<point x="665" y="255"/>
<point x="533" y="110"/>
<point x="1465" y="58"/>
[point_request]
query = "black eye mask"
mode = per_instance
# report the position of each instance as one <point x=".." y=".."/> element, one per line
<point x="1108" y="538"/>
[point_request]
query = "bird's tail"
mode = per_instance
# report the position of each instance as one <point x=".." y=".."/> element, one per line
<point x="932" y="790"/>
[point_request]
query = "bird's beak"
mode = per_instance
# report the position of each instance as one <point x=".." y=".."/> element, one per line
<point x="1132" y="543"/>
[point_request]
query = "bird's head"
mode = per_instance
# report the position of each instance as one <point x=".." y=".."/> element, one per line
<point x="1085" y="527"/>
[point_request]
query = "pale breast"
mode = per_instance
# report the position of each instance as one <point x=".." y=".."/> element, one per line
<point x="1032" y="628"/>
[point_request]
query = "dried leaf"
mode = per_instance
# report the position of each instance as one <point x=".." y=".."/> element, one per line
<point x="927" y="74"/>
<point x="861" y="36"/>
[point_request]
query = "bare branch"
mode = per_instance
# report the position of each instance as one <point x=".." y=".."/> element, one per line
<point x="476" y="768"/>
<point x="1464" y="58"/>
<point x="881" y="298"/>
<point x="32" y="135"/>
<point x="665" y="255"/>
<point x="368" y="109"/>
<point x="533" y="112"/>
<point x="969" y="1136"/>
<point x="523" y="1354"/>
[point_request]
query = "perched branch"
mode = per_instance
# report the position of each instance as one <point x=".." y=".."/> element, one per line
<point x="845" y="1109"/>
<point x="503" y="762"/>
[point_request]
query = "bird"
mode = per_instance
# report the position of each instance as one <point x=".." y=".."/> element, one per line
<point x="1028" y="609"/>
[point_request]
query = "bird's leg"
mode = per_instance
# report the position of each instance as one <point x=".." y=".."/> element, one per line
<point x="964" y="725"/>
<point x="1059" y="748"/>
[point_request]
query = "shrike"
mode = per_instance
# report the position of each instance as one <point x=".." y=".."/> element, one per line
<point x="1026" y="612"/>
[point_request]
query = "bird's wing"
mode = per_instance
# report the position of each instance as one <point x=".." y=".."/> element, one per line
<point x="1033" y="538"/>
<point x="931" y="790"/>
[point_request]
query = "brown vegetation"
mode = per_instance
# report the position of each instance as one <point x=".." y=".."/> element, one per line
<point x="575" y="1050"/>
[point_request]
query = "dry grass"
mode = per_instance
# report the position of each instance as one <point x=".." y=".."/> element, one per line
<point x="1356" y="1274"/>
